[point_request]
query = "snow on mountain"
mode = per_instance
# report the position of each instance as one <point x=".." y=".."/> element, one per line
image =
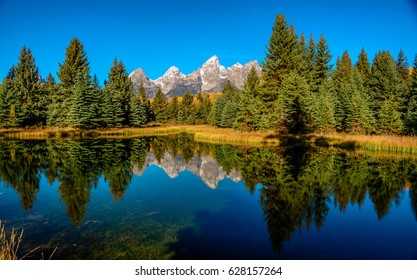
<point x="210" y="77"/>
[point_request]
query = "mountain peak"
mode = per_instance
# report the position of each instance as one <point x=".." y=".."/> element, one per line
<point x="210" y="77"/>
<point x="214" y="60"/>
<point x="173" y="72"/>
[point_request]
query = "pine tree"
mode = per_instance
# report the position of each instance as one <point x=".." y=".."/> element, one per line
<point x="282" y="56"/>
<point x="145" y="102"/>
<point x="290" y="108"/>
<point x="159" y="106"/>
<point x="82" y="113"/>
<point x="108" y="116"/>
<point x="322" y="64"/>
<point x="364" y="68"/>
<point x="413" y="78"/>
<point x="200" y="113"/>
<point x="27" y="87"/>
<point x="360" y="119"/>
<point x="186" y="109"/>
<point x="75" y="64"/>
<point x="4" y="107"/>
<point x="9" y="101"/>
<point x="247" y="112"/>
<point x="323" y="110"/>
<point x="138" y="112"/>
<point x="385" y="82"/>
<point x="76" y="61"/>
<point x="228" y="114"/>
<point x="173" y="108"/>
<point x="343" y="80"/>
<point x="402" y="66"/>
<point x="310" y="60"/>
<point x="389" y="117"/>
<point x="207" y="106"/>
<point x="410" y="121"/>
<point x="123" y="87"/>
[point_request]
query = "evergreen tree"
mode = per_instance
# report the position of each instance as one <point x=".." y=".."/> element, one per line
<point x="122" y="85"/>
<point x="282" y="56"/>
<point x="323" y="110"/>
<point x="200" y="113"/>
<point x="364" y="68"/>
<point x="4" y="106"/>
<point x="10" y="115"/>
<point x="290" y="108"/>
<point x="360" y="119"/>
<point x="109" y="117"/>
<point x="228" y="114"/>
<point x="145" y="101"/>
<point x="310" y="60"/>
<point x="321" y="67"/>
<point x="159" y="106"/>
<point x="343" y="81"/>
<point x="173" y="108"/>
<point x="76" y="61"/>
<point x="413" y="78"/>
<point x="410" y="121"/>
<point x="82" y="113"/>
<point x="75" y="64"/>
<point x="27" y="86"/>
<point x="402" y="66"/>
<point x="389" y="117"/>
<point x="137" y="114"/>
<point x="186" y="109"/>
<point x="385" y="82"/>
<point x="247" y="110"/>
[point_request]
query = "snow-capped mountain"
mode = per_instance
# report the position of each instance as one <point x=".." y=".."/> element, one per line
<point x="204" y="166"/>
<point x="210" y="77"/>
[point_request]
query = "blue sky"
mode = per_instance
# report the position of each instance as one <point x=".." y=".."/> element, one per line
<point x="155" y="35"/>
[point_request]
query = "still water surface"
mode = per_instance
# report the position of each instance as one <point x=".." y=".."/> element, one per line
<point x="173" y="198"/>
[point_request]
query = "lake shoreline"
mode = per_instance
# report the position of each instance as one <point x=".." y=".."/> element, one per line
<point x="206" y="133"/>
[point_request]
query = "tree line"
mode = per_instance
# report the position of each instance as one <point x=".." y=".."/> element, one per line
<point x="299" y="91"/>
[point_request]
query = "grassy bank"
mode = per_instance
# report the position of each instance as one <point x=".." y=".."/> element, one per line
<point x="374" y="143"/>
<point x="205" y="133"/>
<point x="201" y="133"/>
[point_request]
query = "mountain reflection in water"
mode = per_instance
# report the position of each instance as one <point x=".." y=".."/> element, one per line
<point x="296" y="187"/>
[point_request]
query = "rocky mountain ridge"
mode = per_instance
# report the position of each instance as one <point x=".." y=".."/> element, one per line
<point x="204" y="166"/>
<point x="210" y="77"/>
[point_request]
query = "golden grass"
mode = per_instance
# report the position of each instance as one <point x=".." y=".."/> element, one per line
<point x="374" y="143"/>
<point x="206" y="133"/>
<point x="201" y="132"/>
<point x="9" y="245"/>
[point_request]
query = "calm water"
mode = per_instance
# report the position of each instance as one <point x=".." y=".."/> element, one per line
<point x="173" y="198"/>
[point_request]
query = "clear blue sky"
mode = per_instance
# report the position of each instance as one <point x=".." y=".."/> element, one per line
<point x="155" y="35"/>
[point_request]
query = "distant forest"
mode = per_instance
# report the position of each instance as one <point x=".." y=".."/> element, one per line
<point x="299" y="91"/>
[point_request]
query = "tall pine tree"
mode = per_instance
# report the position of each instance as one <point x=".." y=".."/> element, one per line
<point x="282" y="56"/>
<point x="322" y="65"/>
<point x="122" y="87"/>
<point x="247" y="114"/>
<point x="75" y="64"/>
<point x="27" y="86"/>
<point x="82" y="112"/>
<point x="159" y="106"/>
<point x="76" y="61"/>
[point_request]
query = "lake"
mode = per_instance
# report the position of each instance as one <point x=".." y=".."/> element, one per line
<point x="171" y="197"/>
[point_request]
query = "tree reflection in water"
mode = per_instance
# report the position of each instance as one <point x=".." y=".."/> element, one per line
<point x="297" y="183"/>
